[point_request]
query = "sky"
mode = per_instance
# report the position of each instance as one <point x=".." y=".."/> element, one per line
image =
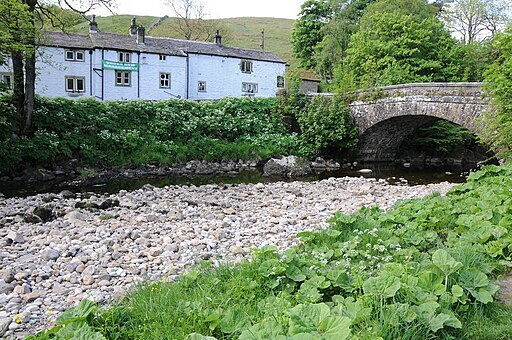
<point x="215" y="8"/>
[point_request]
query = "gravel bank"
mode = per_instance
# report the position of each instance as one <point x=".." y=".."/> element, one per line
<point x="56" y="250"/>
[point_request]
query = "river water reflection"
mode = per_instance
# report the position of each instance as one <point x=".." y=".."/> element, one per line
<point x="393" y="173"/>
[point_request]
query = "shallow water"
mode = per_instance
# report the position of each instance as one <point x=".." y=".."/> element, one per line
<point x="392" y="172"/>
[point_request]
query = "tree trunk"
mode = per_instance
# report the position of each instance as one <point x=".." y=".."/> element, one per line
<point x="30" y="81"/>
<point x="18" y="96"/>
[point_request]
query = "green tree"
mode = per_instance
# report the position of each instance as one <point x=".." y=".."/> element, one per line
<point x="331" y="51"/>
<point x="307" y="31"/>
<point x="398" y="42"/>
<point x="498" y="82"/>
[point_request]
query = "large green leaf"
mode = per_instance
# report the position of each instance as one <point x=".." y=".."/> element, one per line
<point x="445" y="262"/>
<point x="307" y="318"/>
<point x="78" y="313"/>
<point x="335" y="327"/>
<point x="439" y="321"/>
<point x="384" y="285"/>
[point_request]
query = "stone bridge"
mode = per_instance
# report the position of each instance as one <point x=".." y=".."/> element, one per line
<point x="386" y="115"/>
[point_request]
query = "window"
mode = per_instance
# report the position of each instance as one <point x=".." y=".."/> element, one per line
<point x="201" y="86"/>
<point x="165" y="80"/>
<point x="280" y="82"/>
<point x="162" y="57"/>
<point x="75" y="55"/>
<point x="246" y="66"/>
<point x="75" y="84"/>
<point x="123" y="78"/>
<point x="123" y="57"/>
<point x="5" y="81"/>
<point x="249" y="87"/>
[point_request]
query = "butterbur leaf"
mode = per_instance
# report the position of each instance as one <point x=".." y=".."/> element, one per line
<point x="457" y="291"/>
<point x="482" y="295"/>
<point x="473" y="278"/>
<point x="439" y="321"/>
<point x="445" y="262"/>
<point x="214" y="320"/>
<point x="426" y="310"/>
<point x="335" y="327"/>
<point x="78" y="313"/>
<point x="333" y="233"/>
<point x="79" y="331"/>
<point x="269" y="329"/>
<point x="306" y="236"/>
<point x="307" y="318"/>
<point x="295" y="274"/>
<point x="197" y="336"/>
<point x="383" y="285"/>
<point x="233" y="321"/>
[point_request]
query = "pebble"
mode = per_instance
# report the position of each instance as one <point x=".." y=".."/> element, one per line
<point x="49" y="265"/>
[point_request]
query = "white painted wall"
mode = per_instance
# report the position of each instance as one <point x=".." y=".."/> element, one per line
<point x="222" y="75"/>
<point x="224" y="78"/>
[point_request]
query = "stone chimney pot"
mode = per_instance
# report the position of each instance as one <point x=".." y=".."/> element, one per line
<point x="133" y="27"/>
<point x="218" y="38"/>
<point x="93" y="25"/>
<point x="141" y="35"/>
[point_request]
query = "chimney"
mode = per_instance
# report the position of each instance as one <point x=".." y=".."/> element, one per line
<point x="262" y="41"/>
<point x="218" y="38"/>
<point x="93" y="25"/>
<point x="133" y="27"/>
<point x="141" y="35"/>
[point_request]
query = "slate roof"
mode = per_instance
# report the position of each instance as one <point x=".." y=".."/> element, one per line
<point x="157" y="45"/>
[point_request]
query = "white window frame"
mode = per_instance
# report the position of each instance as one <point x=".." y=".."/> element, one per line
<point x="280" y="82"/>
<point x="162" y="57"/>
<point x="165" y="80"/>
<point x="250" y="88"/>
<point x="246" y="66"/>
<point x="201" y="86"/>
<point x="123" y="78"/>
<point x="73" y="55"/>
<point x="124" y="57"/>
<point x="7" y="78"/>
<point x="74" y="85"/>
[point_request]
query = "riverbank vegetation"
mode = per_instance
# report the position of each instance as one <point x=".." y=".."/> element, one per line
<point x="117" y="133"/>
<point x="413" y="272"/>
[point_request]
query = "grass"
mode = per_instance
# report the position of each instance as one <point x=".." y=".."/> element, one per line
<point x="240" y="32"/>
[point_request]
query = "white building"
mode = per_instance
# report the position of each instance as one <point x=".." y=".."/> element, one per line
<point x="111" y="66"/>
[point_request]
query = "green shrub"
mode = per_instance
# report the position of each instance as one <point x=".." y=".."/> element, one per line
<point x="326" y="123"/>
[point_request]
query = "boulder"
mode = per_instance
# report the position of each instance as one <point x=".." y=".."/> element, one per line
<point x="290" y="166"/>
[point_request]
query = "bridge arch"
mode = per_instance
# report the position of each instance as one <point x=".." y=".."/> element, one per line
<point x="385" y="116"/>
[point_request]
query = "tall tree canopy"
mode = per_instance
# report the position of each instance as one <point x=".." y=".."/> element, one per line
<point x="307" y="31"/>
<point x="398" y="41"/>
<point x="20" y="23"/>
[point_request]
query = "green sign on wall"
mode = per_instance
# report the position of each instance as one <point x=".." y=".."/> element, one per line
<point x="120" y="66"/>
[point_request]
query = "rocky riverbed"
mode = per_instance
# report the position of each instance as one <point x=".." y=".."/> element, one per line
<point x="57" y="249"/>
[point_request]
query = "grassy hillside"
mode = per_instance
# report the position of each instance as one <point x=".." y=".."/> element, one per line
<point x="238" y="32"/>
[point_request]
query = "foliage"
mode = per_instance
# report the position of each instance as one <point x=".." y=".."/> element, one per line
<point x="128" y="132"/>
<point x="441" y="136"/>
<point x="413" y="272"/>
<point x="398" y="42"/>
<point x="307" y="31"/>
<point x="498" y="82"/>
<point x="331" y="51"/>
<point x="326" y="123"/>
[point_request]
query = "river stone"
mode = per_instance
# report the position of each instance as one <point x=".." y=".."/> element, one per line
<point x="51" y="254"/>
<point x="4" y="325"/>
<point x="44" y="213"/>
<point x="15" y="237"/>
<point x="291" y="166"/>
